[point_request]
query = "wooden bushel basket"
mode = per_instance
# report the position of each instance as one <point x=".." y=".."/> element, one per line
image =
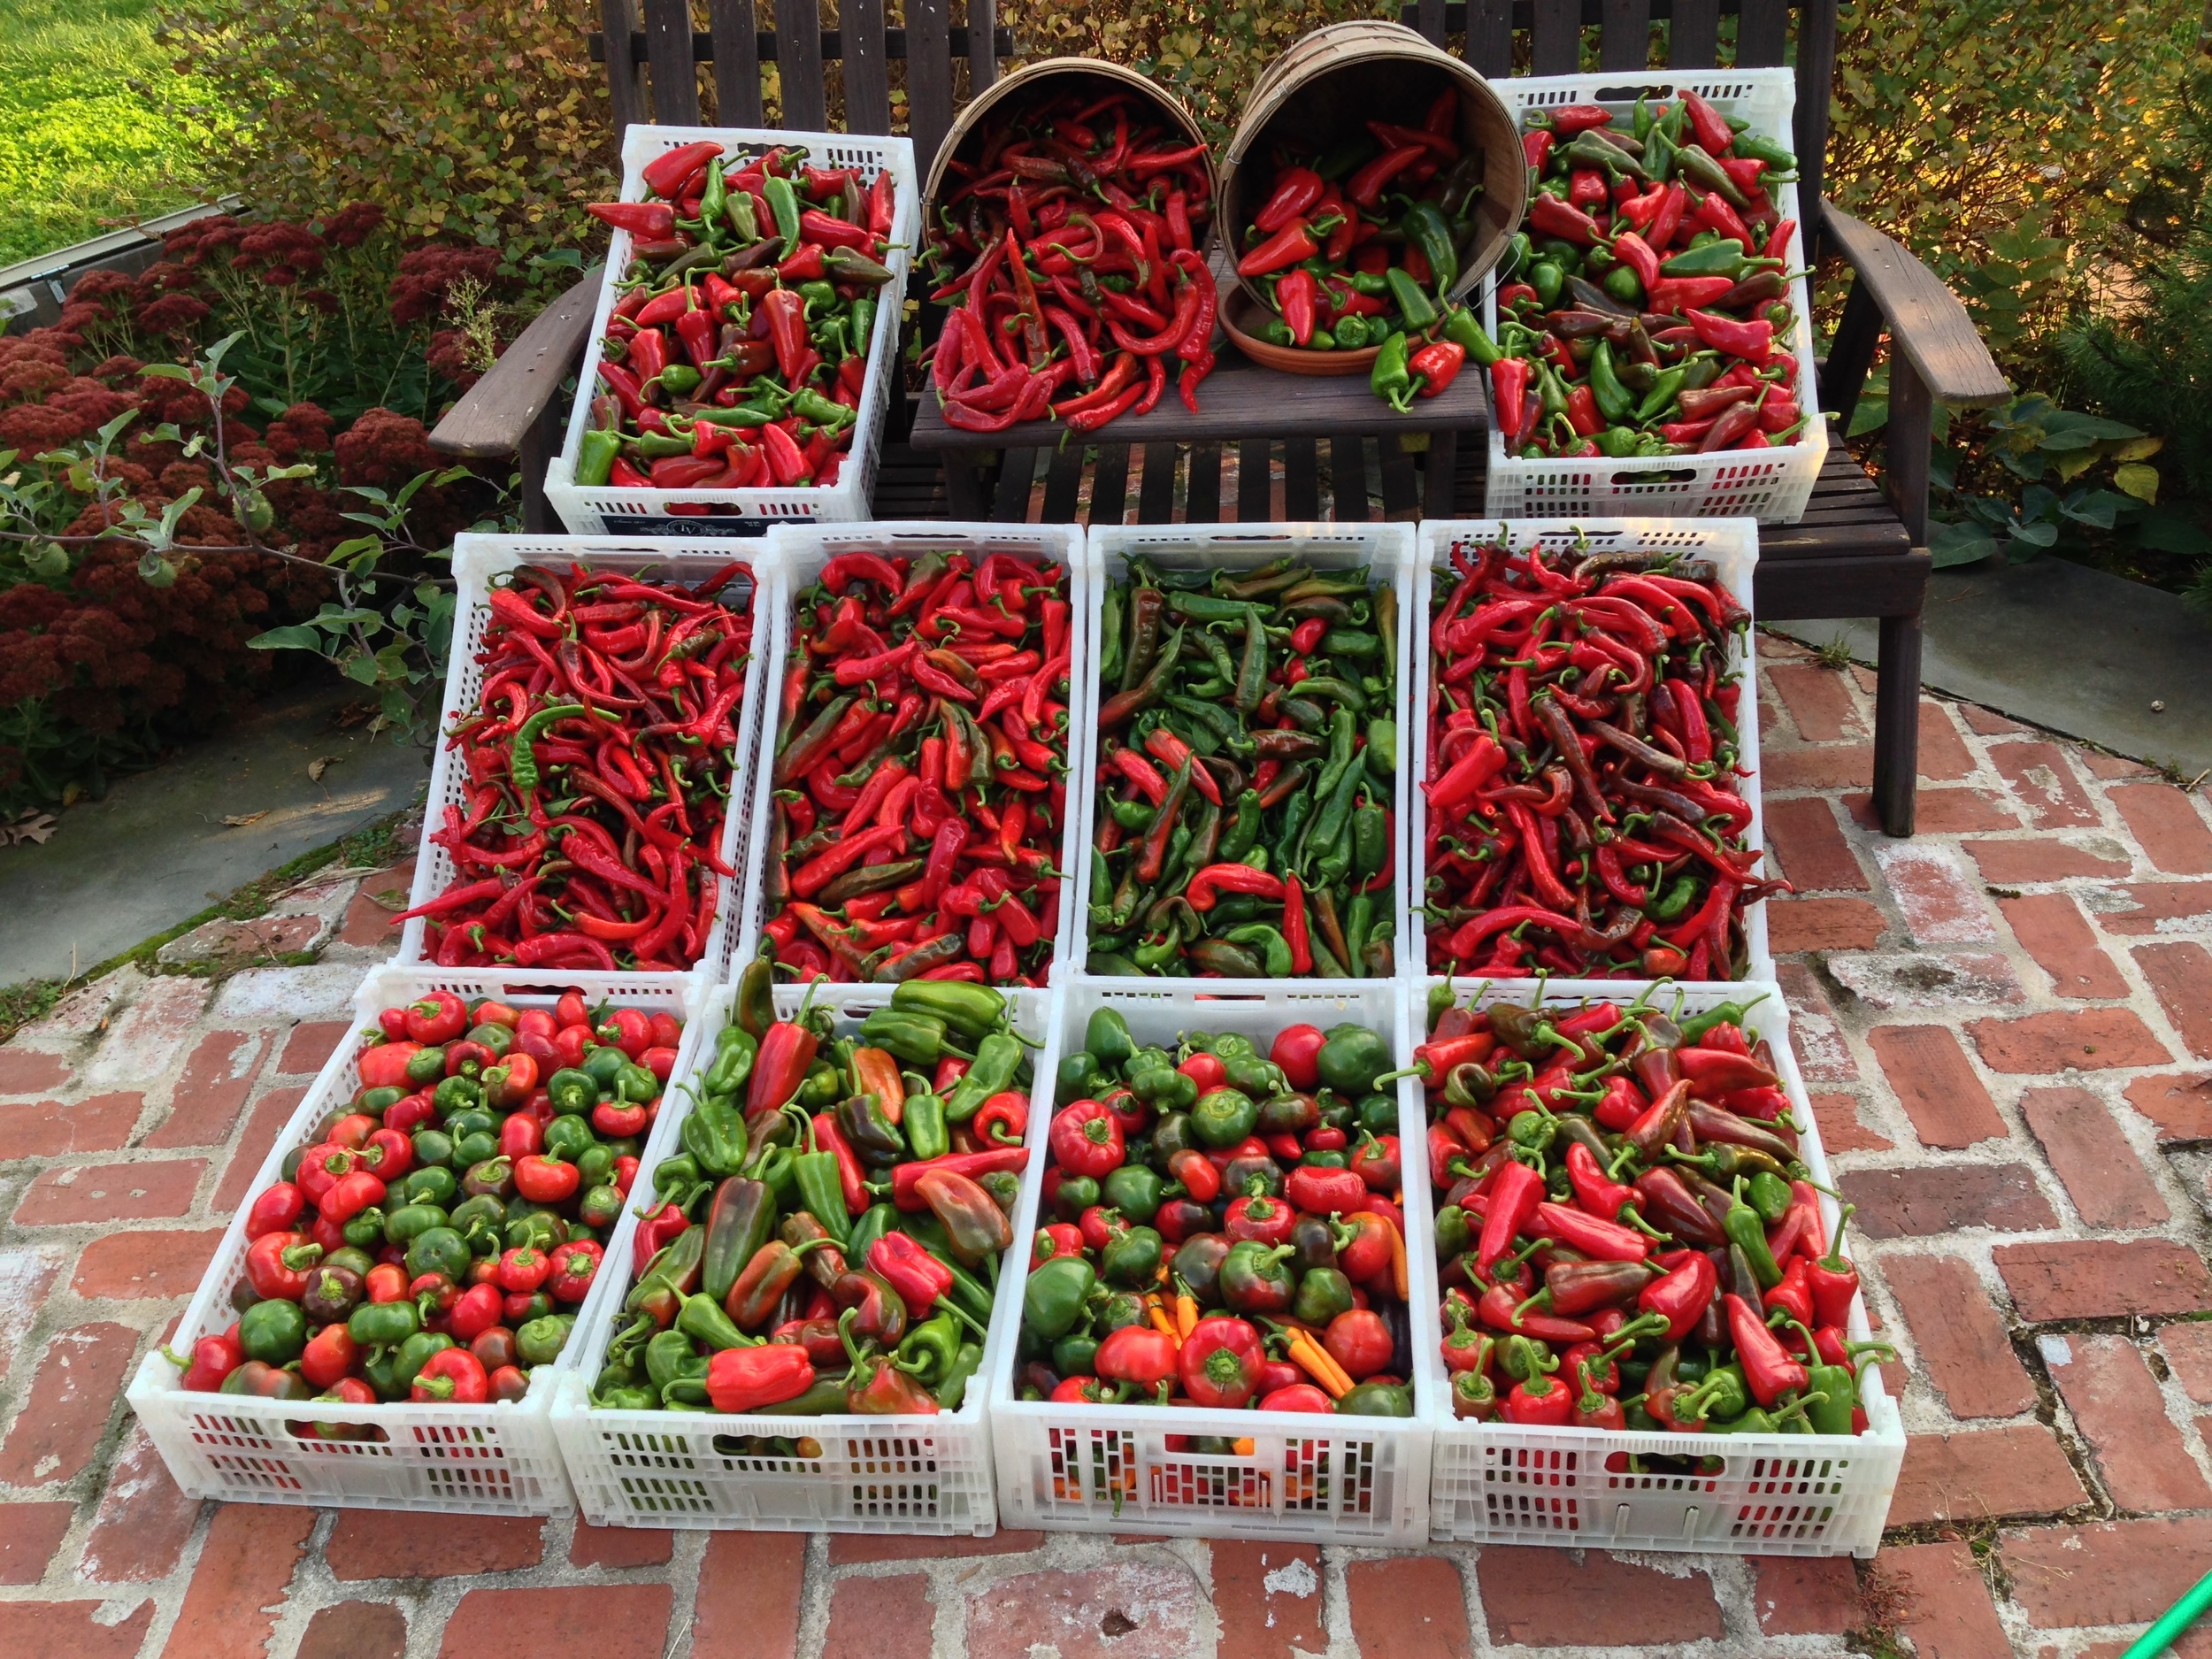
<point x="1326" y="88"/>
<point x="1026" y="82"/>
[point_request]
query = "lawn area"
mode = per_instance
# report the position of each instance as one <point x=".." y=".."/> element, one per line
<point x="79" y="146"/>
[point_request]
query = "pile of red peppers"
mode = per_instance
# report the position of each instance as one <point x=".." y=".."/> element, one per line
<point x="595" y="774"/>
<point x="1584" y="814"/>
<point x="434" y="1239"/>
<point x="1626" y="1235"/>
<point x="920" y="770"/>
<point x="1651" y="313"/>
<point x="736" y="356"/>
<point x="1068" y="255"/>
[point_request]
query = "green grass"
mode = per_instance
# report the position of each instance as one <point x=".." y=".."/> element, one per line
<point x="91" y="134"/>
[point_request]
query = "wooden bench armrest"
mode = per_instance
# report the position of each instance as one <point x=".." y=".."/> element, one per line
<point x="491" y="416"/>
<point x="1926" y="322"/>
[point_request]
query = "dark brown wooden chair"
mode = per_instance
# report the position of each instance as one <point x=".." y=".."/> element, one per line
<point x="1859" y="550"/>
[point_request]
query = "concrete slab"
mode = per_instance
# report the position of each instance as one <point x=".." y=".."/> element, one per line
<point x="157" y="850"/>
<point x="2066" y="648"/>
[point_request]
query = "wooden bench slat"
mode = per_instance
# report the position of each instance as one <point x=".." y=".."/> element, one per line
<point x="1256" y="491"/>
<point x="734" y="40"/>
<point x="1204" y="504"/>
<point x="1401" y="492"/>
<point x="705" y="49"/>
<point x="492" y="417"/>
<point x="1626" y="44"/>
<point x="1693" y="35"/>
<point x="1556" y="37"/>
<point x="626" y="86"/>
<point x="1156" y="496"/>
<point x="1015" y="478"/>
<point x="1926" y="322"/>
<point x="799" y="66"/>
<point x="1762" y="34"/>
<point x="1301" y="478"/>
<point x="1347" y="477"/>
<point x="1064" y="484"/>
<point x="668" y="49"/>
<point x="1439" y="478"/>
<point x="982" y="53"/>
<point x="928" y="77"/>
<point x="1109" y="485"/>
<point x="867" y="69"/>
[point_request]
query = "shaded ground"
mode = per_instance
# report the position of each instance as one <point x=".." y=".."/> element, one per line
<point x="157" y="850"/>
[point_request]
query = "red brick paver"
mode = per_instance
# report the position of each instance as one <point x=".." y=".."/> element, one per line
<point x="2004" y="1023"/>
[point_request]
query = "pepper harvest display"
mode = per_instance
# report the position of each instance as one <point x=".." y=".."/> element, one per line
<point x="434" y="1239"/>
<point x="1650" y="315"/>
<point x="737" y="354"/>
<point x="1626" y="1235"/>
<point x="827" y="1240"/>
<point x="1247" y="758"/>
<point x="599" y="757"/>
<point x="1067" y="254"/>
<point x="1583" y="813"/>
<point x="1227" y="1228"/>
<point x="920" y="772"/>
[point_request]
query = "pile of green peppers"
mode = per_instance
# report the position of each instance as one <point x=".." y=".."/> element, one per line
<point x="1247" y="755"/>
<point x="764" y="1227"/>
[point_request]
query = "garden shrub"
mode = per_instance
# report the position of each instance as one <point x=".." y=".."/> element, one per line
<point x="159" y="519"/>
<point x="487" y="122"/>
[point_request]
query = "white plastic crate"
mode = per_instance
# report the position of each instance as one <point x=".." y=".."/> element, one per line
<point x="801" y="551"/>
<point x="1386" y="549"/>
<point x="876" y="1474"/>
<point x="1106" y="1469"/>
<point x="609" y="510"/>
<point x="1732" y="544"/>
<point x="1734" y="1494"/>
<point x="493" y="1459"/>
<point x="477" y="559"/>
<point x="1771" y="485"/>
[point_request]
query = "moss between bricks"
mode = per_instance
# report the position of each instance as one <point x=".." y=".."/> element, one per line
<point x="373" y="845"/>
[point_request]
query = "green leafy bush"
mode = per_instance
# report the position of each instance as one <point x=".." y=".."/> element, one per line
<point x="487" y="121"/>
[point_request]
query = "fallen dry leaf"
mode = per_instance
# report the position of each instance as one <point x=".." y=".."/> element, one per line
<point x="390" y="899"/>
<point x="239" y="820"/>
<point x="34" y="826"/>
<point x="317" y="767"/>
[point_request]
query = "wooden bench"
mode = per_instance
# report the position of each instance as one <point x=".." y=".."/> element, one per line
<point x="1860" y="550"/>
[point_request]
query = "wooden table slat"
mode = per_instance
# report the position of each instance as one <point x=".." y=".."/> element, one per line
<point x="1156" y="495"/>
<point x="1255" y="494"/>
<point x="1064" y="484"/>
<point x="1204" y="506"/>
<point x="1109" y="485"/>
<point x="1301" y="479"/>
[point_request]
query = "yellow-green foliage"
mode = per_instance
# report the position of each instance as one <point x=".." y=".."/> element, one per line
<point x="2003" y="141"/>
<point x="1208" y="54"/>
<point x="89" y="122"/>
<point x="486" y="121"/>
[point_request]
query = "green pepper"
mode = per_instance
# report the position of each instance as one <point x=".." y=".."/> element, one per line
<point x="1076" y="1355"/>
<point x="1548" y="279"/>
<point x="1053" y="1298"/>
<point x="1743" y="1227"/>
<point x="572" y="1090"/>
<point x="540" y="1341"/>
<point x="1428" y="232"/>
<point x="740" y="1219"/>
<point x="1076" y="1194"/>
<point x="1410" y="299"/>
<point x="998" y="1057"/>
<point x="1323" y="1293"/>
<point x="1769" y="1195"/>
<point x="1613" y="399"/>
<point x="383" y="1325"/>
<point x="783" y="206"/>
<point x="927" y="1353"/>
<point x="923" y="1118"/>
<point x="914" y="1039"/>
<point x="1723" y="257"/>
<point x="1224" y="1118"/>
<point x="1389" y="378"/>
<point x="1133" y="1189"/>
<point x="274" y="1331"/>
<point x="1351" y="1059"/>
<point x="1275" y="958"/>
<point x="1831" y="1393"/>
<point x="439" y="1250"/>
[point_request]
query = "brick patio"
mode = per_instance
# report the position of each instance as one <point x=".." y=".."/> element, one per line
<point x="2006" y="1022"/>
